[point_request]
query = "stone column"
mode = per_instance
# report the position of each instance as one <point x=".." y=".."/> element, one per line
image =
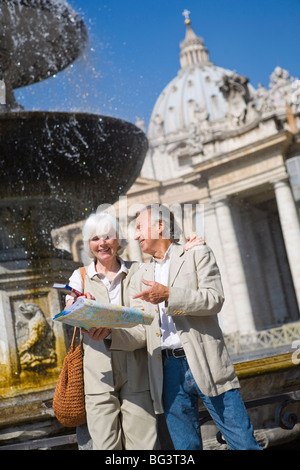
<point x="290" y="225"/>
<point x="227" y="316"/>
<point x="234" y="267"/>
<point x="275" y="309"/>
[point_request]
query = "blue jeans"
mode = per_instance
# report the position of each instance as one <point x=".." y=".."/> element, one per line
<point x="180" y="398"/>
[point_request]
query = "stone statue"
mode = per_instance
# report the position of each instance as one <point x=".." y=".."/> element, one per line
<point x="294" y="99"/>
<point x="235" y="91"/>
<point x="37" y="353"/>
<point x="264" y="101"/>
<point x="200" y="127"/>
<point x="159" y="124"/>
<point x="279" y="78"/>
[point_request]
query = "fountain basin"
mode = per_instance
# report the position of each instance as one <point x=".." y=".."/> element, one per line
<point x="58" y="167"/>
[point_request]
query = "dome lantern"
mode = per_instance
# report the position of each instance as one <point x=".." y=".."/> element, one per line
<point x="193" y="50"/>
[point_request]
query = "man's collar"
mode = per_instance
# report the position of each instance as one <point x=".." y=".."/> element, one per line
<point x="166" y="256"/>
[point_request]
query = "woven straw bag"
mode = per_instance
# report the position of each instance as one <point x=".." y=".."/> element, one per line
<point x="68" y="401"/>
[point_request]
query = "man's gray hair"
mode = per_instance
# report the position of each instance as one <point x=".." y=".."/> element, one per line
<point x="161" y="213"/>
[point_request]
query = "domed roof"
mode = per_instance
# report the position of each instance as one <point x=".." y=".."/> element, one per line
<point x="196" y="94"/>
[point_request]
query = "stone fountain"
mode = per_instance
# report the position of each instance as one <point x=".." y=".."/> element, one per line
<point x="55" y="169"/>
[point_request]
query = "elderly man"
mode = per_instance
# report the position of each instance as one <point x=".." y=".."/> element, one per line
<point x="187" y="355"/>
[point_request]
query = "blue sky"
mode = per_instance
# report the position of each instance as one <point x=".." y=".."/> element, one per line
<point x="133" y="51"/>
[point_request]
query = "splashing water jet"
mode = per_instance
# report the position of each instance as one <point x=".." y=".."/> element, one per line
<point x="56" y="163"/>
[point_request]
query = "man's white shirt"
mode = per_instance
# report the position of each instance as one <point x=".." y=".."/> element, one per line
<point x="169" y="335"/>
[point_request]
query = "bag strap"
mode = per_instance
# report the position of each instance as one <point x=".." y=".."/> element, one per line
<point x="82" y="273"/>
<point x="73" y="342"/>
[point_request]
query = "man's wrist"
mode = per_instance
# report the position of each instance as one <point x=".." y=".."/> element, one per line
<point x="167" y="293"/>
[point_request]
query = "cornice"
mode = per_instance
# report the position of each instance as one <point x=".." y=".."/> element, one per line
<point x="282" y="140"/>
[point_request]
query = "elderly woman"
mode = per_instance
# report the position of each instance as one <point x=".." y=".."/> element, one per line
<point x="119" y="407"/>
<point x="118" y="403"/>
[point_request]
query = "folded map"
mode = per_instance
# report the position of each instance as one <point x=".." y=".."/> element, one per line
<point x="86" y="313"/>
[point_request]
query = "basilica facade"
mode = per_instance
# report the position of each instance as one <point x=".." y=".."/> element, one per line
<point x="229" y="155"/>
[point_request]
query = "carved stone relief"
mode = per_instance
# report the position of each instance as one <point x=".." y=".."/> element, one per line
<point x="35" y="338"/>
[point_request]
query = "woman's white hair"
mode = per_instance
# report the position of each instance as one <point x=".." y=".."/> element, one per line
<point x="102" y="224"/>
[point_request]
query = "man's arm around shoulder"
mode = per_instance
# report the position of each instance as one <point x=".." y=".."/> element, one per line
<point x="201" y="294"/>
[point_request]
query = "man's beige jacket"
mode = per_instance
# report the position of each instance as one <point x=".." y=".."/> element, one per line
<point x="196" y="297"/>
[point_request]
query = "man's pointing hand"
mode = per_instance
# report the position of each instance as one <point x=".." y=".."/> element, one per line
<point x="155" y="294"/>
